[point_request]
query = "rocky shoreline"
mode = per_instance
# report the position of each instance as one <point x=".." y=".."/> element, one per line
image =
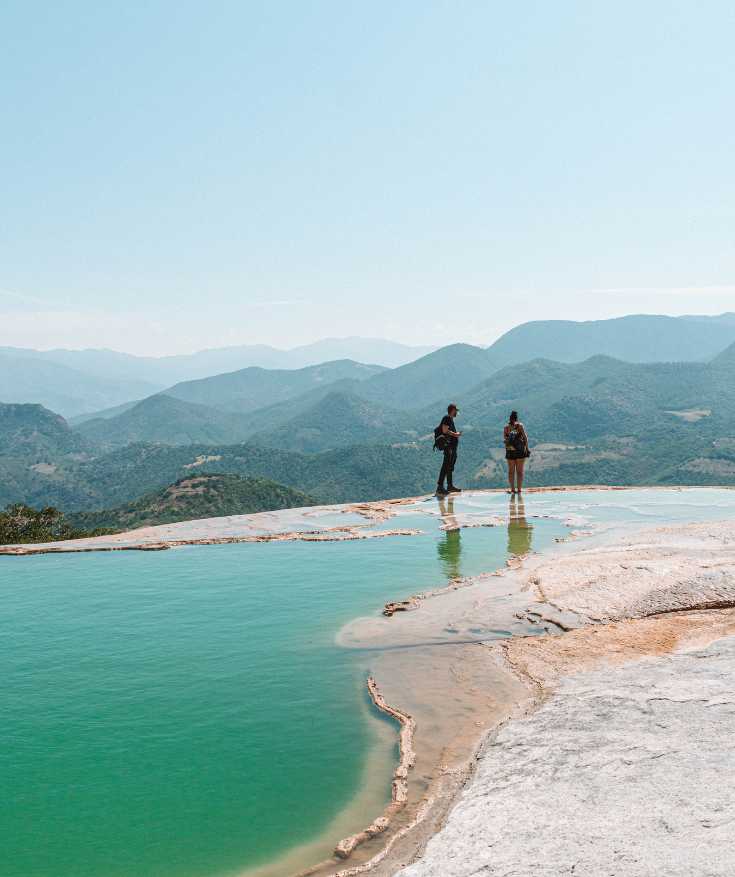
<point x="651" y="612"/>
<point x="608" y="604"/>
<point x="399" y="786"/>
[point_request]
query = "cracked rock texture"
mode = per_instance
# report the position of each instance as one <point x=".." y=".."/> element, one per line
<point x="663" y="570"/>
<point x="626" y="771"/>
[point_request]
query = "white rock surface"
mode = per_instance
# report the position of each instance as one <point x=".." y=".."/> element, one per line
<point x="657" y="570"/>
<point x="627" y="772"/>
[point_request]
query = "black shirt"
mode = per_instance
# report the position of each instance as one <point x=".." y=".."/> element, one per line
<point x="449" y="421"/>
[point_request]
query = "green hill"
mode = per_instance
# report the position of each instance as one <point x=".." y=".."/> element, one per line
<point x="21" y="524"/>
<point x="248" y="389"/>
<point x="32" y="431"/>
<point x="35" y="447"/>
<point x="162" y="418"/>
<point x="725" y="358"/>
<point x="104" y="413"/>
<point x="339" y="419"/>
<point x="340" y="475"/>
<point x="576" y="401"/>
<point x="442" y="375"/>
<point x="606" y="421"/>
<point x="204" y="495"/>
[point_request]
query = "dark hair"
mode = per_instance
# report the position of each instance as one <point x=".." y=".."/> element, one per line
<point x="513" y="417"/>
<point x="451" y="407"/>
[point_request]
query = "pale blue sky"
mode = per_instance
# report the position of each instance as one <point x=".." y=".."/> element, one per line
<point x="182" y="175"/>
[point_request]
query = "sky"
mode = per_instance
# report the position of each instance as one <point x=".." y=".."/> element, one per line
<point x="175" y="176"/>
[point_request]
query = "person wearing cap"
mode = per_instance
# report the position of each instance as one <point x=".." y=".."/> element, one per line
<point x="449" y="447"/>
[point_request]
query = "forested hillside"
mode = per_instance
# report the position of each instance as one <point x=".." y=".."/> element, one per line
<point x="602" y="420"/>
<point x="162" y="418"/>
<point x="192" y="497"/>
<point x="247" y="390"/>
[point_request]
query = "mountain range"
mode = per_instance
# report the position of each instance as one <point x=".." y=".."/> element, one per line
<point x="80" y="383"/>
<point x="634" y="338"/>
<point x="344" y="403"/>
<point x="344" y="431"/>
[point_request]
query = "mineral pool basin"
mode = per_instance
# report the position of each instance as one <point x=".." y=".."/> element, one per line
<point x="187" y="713"/>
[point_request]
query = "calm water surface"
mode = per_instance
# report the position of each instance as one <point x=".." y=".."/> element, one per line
<point x="187" y="713"/>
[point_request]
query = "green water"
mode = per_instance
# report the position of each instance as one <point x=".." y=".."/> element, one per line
<point x="178" y="714"/>
<point x="175" y="713"/>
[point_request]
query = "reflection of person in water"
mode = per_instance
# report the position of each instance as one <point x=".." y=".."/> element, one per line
<point x="520" y="532"/>
<point x="449" y="547"/>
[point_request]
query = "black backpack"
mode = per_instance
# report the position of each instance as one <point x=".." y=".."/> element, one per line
<point x="441" y="441"/>
<point x="516" y="441"/>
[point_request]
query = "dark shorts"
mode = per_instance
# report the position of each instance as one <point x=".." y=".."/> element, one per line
<point x="511" y="454"/>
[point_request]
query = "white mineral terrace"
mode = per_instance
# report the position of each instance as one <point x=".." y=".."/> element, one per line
<point x="318" y="523"/>
<point x="622" y="759"/>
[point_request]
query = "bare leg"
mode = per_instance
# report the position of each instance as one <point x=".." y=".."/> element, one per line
<point x="511" y="474"/>
<point x="519" y="474"/>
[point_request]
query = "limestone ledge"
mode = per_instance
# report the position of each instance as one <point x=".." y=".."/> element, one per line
<point x="332" y="534"/>
<point x="399" y="787"/>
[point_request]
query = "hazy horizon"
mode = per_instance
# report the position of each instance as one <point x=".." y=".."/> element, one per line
<point x="326" y="339"/>
<point x="174" y="181"/>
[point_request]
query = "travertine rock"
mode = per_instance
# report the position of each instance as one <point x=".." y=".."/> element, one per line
<point x="666" y="569"/>
<point x="626" y="772"/>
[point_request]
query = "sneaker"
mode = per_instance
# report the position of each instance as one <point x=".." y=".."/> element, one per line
<point x="453" y="489"/>
<point x="441" y="491"/>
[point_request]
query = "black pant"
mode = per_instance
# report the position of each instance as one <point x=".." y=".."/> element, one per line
<point x="450" y="458"/>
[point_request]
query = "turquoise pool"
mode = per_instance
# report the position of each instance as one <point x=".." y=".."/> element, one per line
<point x="187" y="713"/>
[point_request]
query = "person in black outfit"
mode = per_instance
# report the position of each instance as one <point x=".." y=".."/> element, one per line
<point x="451" y="443"/>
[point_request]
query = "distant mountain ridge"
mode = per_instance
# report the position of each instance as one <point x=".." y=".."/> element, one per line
<point x="77" y="383"/>
<point x="634" y="338"/>
<point x="599" y="421"/>
<point x="27" y="379"/>
<point x="221" y="409"/>
<point x="167" y="370"/>
<point x="289" y="408"/>
<point x="345" y="431"/>
<point x="251" y="388"/>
